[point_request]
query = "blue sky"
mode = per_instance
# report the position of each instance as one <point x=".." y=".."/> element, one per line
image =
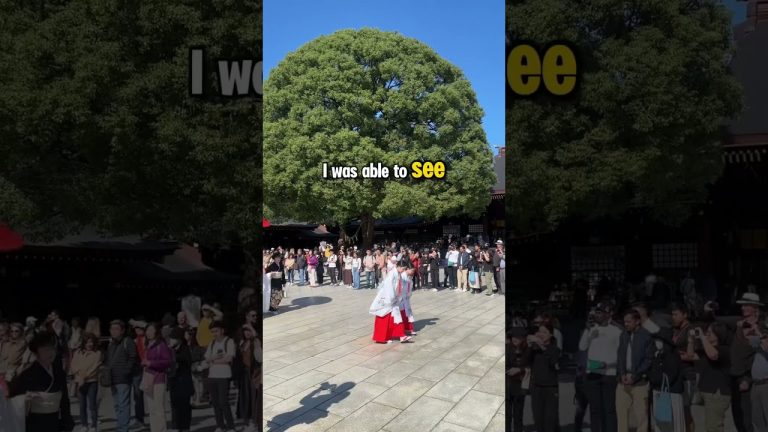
<point x="468" y="34"/>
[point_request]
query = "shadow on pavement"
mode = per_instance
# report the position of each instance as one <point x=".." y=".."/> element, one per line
<point x="301" y="303"/>
<point x="312" y="400"/>
<point x="420" y="324"/>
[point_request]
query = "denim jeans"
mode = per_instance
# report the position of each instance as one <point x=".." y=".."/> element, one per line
<point x="138" y="400"/>
<point x="356" y="279"/>
<point x="290" y="276"/>
<point x="302" y="276"/>
<point x="369" y="278"/>
<point x="121" y="395"/>
<point x="88" y="401"/>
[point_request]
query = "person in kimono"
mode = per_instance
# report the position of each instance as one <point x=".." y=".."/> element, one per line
<point x="44" y="384"/>
<point x="386" y="307"/>
<point x="405" y="304"/>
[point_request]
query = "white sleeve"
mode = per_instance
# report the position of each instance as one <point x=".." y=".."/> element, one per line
<point x="584" y="341"/>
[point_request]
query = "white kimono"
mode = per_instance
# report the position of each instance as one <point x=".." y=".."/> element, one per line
<point x="387" y="301"/>
<point x="406" y="296"/>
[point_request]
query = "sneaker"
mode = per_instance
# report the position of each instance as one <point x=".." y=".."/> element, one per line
<point x="405" y="339"/>
<point x="434" y="289"/>
<point x="85" y="429"/>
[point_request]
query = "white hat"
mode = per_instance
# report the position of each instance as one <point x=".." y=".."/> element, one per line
<point x="31" y="320"/>
<point x="749" y="298"/>
<point x="499" y="242"/>
<point x="137" y="323"/>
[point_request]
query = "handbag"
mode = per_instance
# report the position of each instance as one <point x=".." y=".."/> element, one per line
<point x="473" y="277"/>
<point x="662" y="408"/>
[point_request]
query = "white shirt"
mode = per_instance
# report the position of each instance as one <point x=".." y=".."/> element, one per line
<point x="651" y="326"/>
<point x="332" y="260"/>
<point x="452" y="256"/>
<point x="348" y="263"/>
<point x="603" y="348"/>
<point x="226" y="347"/>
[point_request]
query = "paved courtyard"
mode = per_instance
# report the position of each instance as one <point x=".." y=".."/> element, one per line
<point x="322" y="371"/>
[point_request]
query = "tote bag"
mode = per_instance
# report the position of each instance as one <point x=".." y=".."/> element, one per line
<point x="473" y="278"/>
<point x="662" y="409"/>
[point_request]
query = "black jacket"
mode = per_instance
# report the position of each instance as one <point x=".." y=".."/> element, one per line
<point x="122" y="360"/>
<point x="544" y="365"/>
<point x="666" y="361"/>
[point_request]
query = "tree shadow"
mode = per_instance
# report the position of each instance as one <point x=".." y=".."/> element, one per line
<point x="420" y="324"/>
<point x="327" y="394"/>
<point x="301" y="303"/>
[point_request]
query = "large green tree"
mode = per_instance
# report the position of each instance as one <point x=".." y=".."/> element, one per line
<point x="97" y="127"/>
<point x="362" y="96"/>
<point x="643" y="131"/>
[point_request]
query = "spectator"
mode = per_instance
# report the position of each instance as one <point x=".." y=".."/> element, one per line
<point x="356" y="266"/>
<point x="634" y="361"/>
<point x="742" y="361"/>
<point x="759" y="392"/>
<point x="121" y="361"/>
<point x="332" y="263"/>
<point x="312" y="263"/>
<point x="86" y="361"/>
<point x="139" y="329"/>
<point x="219" y="356"/>
<point x="462" y="269"/>
<point x="544" y="379"/>
<point x="369" y="263"/>
<point x="246" y="377"/>
<point x="180" y="381"/>
<point x="666" y="374"/>
<point x="157" y="362"/>
<point x="712" y="363"/>
<point x="601" y="342"/>
<point x="519" y="362"/>
<point x="681" y="326"/>
<point x="347" y="275"/>
<point x="12" y="352"/>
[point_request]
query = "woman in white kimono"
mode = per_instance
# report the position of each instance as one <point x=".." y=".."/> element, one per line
<point x="405" y="304"/>
<point x="386" y="308"/>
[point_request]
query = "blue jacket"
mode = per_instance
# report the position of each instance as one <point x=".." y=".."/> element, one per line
<point x="642" y="354"/>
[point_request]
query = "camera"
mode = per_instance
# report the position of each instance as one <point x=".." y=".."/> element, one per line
<point x="695" y="332"/>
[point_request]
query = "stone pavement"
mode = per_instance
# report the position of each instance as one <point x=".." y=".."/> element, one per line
<point x="322" y="371"/>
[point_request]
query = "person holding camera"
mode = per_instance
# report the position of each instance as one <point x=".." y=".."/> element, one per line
<point x="636" y="349"/>
<point x="759" y="372"/>
<point x="601" y="340"/>
<point x="711" y="358"/>
<point x="544" y="378"/>
<point x="742" y="359"/>
<point x="681" y="326"/>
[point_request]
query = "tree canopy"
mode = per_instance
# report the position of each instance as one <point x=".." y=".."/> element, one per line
<point x="97" y="127"/>
<point x="643" y="132"/>
<point x="362" y="96"/>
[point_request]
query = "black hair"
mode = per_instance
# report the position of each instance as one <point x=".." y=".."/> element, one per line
<point x="633" y="313"/>
<point x="42" y="340"/>
<point x="681" y="307"/>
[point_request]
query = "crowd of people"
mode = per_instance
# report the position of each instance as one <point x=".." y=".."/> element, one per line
<point x="189" y="361"/>
<point x="646" y="373"/>
<point x="466" y="268"/>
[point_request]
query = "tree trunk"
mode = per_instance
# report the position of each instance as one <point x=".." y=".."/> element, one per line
<point x="366" y="222"/>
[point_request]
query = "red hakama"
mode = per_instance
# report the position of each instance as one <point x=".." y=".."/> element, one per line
<point x="384" y="328"/>
<point x="407" y="325"/>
